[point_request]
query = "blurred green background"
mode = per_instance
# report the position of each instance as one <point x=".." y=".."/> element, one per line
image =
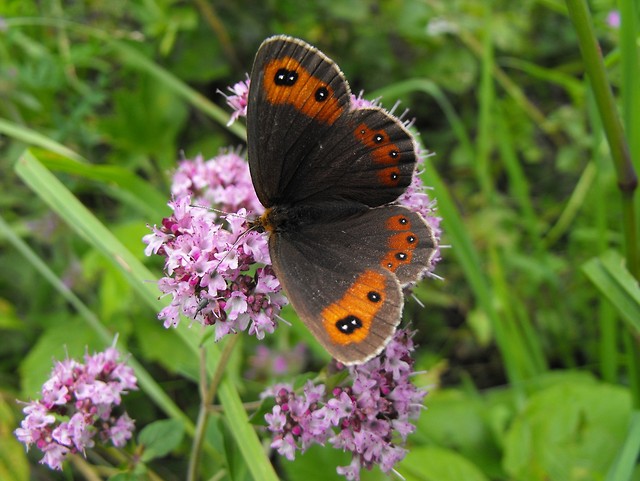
<point x="530" y="343"/>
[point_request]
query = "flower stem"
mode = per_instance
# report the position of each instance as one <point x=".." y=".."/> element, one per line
<point x="207" y="394"/>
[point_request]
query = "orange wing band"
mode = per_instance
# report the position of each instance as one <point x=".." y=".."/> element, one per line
<point x="349" y="319"/>
<point x="400" y="245"/>
<point x="302" y="93"/>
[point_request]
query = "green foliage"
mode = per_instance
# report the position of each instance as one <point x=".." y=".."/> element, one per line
<point x="160" y="438"/>
<point x="530" y="342"/>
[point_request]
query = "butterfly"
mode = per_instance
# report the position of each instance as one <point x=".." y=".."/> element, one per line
<point x="328" y="174"/>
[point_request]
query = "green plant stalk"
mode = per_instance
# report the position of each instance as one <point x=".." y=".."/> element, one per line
<point x="486" y="102"/>
<point x="626" y="175"/>
<point x="608" y="357"/>
<point x="207" y="396"/>
<point x="630" y="68"/>
<point x="576" y="201"/>
<point x="518" y="185"/>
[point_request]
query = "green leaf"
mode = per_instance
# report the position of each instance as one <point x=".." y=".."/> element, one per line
<point x="458" y="420"/>
<point x="160" y="438"/>
<point x="610" y="275"/>
<point x="570" y="431"/>
<point x="318" y="462"/>
<point x="432" y="463"/>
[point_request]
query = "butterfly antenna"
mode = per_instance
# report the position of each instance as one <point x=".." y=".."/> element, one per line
<point x="223" y="213"/>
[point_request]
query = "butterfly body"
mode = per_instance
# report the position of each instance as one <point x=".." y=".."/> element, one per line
<point x="327" y="174"/>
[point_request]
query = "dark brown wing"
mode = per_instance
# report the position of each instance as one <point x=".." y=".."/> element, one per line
<point x="344" y="278"/>
<point x="307" y="143"/>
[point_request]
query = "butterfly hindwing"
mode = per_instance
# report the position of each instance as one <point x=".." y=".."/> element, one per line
<point x="344" y="278"/>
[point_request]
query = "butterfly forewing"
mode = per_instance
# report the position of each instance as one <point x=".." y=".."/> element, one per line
<point x="306" y="141"/>
<point x="288" y="111"/>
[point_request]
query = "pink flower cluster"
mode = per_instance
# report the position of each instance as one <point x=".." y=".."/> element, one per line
<point x="77" y="404"/>
<point x="223" y="182"/>
<point x="370" y="418"/>
<point x="210" y="263"/>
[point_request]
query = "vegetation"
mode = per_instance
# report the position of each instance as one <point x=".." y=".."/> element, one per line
<point x="529" y="346"/>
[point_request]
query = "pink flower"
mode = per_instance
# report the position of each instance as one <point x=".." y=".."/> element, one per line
<point x="613" y="19"/>
<point x="238" y="100"/>
<point x="78" y="402"/>
<point x="208" y="259"/>
<point x="371" y="418"/>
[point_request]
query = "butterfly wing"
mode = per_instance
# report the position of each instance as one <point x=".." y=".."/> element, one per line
<point x="306" y="141"/>
<point x="345" y="278"/>
<point x="296" y="94"/>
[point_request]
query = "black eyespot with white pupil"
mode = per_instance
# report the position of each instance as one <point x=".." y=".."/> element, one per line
<point x="394" y="176"/>
<point x="401" y="256"/>
<point x="411" y="238"/>
<point x="377" y="138"/>
<point x="403" y="221"/>
<point x="394" y="154"/>
<point x="322" y="94"/>
<point x="349" y="324"/>
<point x="285" y="77"/>
<point x="374" y="296"/>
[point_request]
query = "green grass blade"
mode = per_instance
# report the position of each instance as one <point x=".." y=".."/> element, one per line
<point x="486" y="103"/>
<point x="119" y="182"/>
<point x="518" y="185"/>
<point x="31" y="137"/>
<point x="44" y="184"/>
<point x="609" y="274"/>
<point x="572" y="207"/>
<point x="626" y="462"/>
